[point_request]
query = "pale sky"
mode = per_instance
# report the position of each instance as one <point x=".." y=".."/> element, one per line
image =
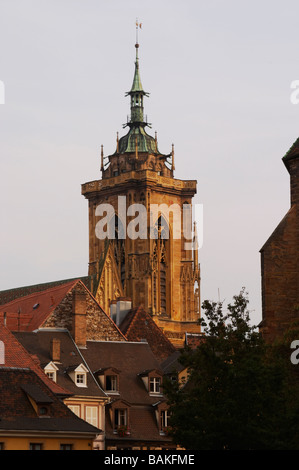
<point x="219" y="75"/>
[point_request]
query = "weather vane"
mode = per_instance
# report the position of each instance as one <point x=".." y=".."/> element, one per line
<point x="138" y="25"/>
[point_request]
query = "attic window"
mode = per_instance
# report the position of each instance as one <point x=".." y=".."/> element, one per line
<point x="111" y="383"/>
<point x="154" y="384"/>
<point x="109" y="379"/>
<point x="51" y="371"/>
<point x="43" y="410"/>
<point x="152" y="380"/>
<point x="79" y="375"/>
<point x="120" y="418"/>
<point x="35" y="306"/>
<point x="80" y="379"/>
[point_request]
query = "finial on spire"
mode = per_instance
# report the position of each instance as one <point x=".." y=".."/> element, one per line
<point x="138" y="25"/>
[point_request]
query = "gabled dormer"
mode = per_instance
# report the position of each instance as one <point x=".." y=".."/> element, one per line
<point x="109" y="380"/>
<point x="51" y="371"/>
<point x="120" y="417"/>
<point x="78" y="374"/>
<point x="152" y="380"/>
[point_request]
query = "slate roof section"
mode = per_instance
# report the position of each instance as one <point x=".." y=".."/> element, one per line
<point x="138" y="325"/>
<point x="38" y="344"/>
<point x="29" y="312"/>
<point x="172" y="364"/>
<point x="32" y="311"/>
<point x="9" y="295"/>
<point x="131" y="359"/>
<point x="17" y="356"/>
<point x="18" y="414"/>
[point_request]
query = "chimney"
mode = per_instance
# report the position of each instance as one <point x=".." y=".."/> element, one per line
<point x="55" y="350"/>
<point x="79" y="318"/>
<point x="123" y="306"/>
<point x="113" y="310"/>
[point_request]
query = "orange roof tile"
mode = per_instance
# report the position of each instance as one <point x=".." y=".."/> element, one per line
<point x="30" y="312"/>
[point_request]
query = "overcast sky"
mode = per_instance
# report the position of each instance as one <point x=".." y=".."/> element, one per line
<point x="219" y="75"/>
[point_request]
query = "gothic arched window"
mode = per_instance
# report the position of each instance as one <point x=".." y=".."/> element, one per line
<point x="161" y="254"/>
<point x="119" y="247"/>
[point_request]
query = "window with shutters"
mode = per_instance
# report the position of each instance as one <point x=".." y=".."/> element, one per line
<point x="91" y="413"/>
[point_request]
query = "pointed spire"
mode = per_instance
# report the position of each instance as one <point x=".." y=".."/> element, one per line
<point x="136" y="86"/>
<point x="137" y="93"/>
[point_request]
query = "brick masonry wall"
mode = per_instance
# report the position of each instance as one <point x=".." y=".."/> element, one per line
<point x="280" y="268"/>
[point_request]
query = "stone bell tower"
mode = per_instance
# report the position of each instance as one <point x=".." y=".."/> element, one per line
<point x="137" y="213"/>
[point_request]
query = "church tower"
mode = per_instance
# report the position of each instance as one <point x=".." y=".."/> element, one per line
<point x="139" y="215"/>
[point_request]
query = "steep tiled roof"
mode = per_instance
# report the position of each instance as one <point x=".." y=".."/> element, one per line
<point x="38" y="343"/>
<point x="138" y="325"/>
<point x="12" y="294"/>
<point x="33" y="311"/>
<point x="172" y="364"/>
<point x="18" y="414"/>
<point x="131" y="359"/>
<point x="15" y="355"/>
<point x="29" y="312"/>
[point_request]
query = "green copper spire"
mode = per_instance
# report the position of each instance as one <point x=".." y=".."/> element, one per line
<point x="136" y="123"/>
<point x="137" y="93"/>
<point x="137" y="87"/>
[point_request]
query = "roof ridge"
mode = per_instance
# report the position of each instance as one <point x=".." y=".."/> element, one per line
<point x="34" y="294"/>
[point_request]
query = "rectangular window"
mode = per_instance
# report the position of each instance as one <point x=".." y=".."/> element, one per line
<point x="75" y="409"/>
<point x="35" y="446"/>
<point x="155" y="384"/>
<point x="1" y="445"/>
<point x="111" y="383"/>
<point x="92" y="415"/>
<point x="164" y="417"/>
<point x="80" y="379"/>
<point x="66" y="446"/>
<point x="51" y="375"/>
<point x="120" y="417"/>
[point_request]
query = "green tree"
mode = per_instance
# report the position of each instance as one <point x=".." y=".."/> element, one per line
<point x="238" y="393"/>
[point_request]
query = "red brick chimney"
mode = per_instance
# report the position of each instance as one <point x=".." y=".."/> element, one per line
<point x="55" y="350"/>
<point x="79" y="318"/>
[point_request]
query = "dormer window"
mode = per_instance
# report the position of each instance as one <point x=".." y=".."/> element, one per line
<point x="39" y="400"/>
<point x="51" y="371"/>
<point x="79" y="375"/>
<point x="163" y="417"/>
<point x="120" y="417"/>
<point x="109" y="380"/>
<point x="155" y="383"/>
<point x="111" y="383"/>
<point x="152" y="380"/>
<point x="80" y="379"/>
